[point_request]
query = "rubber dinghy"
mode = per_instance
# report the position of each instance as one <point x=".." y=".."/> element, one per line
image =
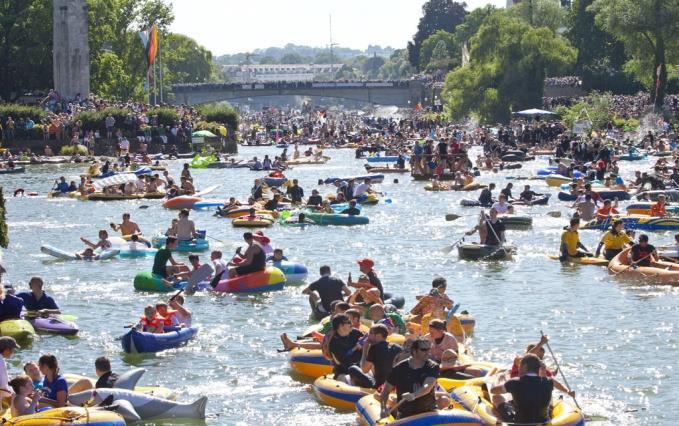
<point x="146" y="406"/>
<point x="140" y="342"/>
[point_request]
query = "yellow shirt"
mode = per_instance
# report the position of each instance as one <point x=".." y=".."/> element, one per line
<point x="615" y="242"/>
<point x="570" y="239"/>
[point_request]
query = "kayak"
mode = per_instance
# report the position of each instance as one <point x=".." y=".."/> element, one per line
<point x="557" y="180"/>
<point x="484" y="252"/>
<point x="541" y="200"/>
<point x="370" y="413"/>
<point x="640" y="222"/>
<point x="181" y="202"/>
<point x="19" y="329"/>
<point x="374" y="178"/>
<point x="269" y="279"/>
<point x="55" y="325"/>
<point x="596" y="261"/>
<point x="199" y="244"/>
<point x="72" y="416"/>
<point x="148" y="281"/>
<point x="140" y="342"/>
<point x="294" y="272"/>
<point x="645" y="209"/>
<point x="336" y="219"/>
<point x="64" y="255"/>
<point x="516" y="222"/>
<point x="659" y="272"/>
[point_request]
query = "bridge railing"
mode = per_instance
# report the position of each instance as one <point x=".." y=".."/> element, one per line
<point x="192" y="87"/>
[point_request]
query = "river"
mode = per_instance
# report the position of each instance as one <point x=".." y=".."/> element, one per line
<point x="615" y="339"/>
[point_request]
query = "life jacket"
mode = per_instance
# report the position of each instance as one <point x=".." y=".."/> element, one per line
<point x="152" y="323"/>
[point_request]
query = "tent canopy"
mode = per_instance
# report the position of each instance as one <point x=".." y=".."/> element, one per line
<point x="534" y="111"/>
<point x="204" y="134"/>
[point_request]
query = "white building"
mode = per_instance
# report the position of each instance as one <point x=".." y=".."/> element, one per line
<point x="277" y="72"/>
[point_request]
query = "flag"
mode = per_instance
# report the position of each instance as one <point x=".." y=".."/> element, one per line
<point x="149" y="39"/>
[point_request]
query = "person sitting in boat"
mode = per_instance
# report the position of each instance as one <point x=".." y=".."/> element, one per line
<point x="392" y="319"/>
<point x="450" y="367"/>
<point x="440" y="339"/>
<point x="54" y="385"/>
<point x="434" y="303"/>
<point x="33" y="372"/>
<point x="491" y="230"/>
<point x="272" y="204"/>
<point x="266" y="163"/>
<point x="10" y="305"/>
<point x="257" y="190"/>
<point x="127" y="227"/>
<point x="61" y="185"/>
<point x="187" y="187"/>
<point x="351" y="210"/>
<point x="507" y="191"/>
<point x="25" y="399"/>
<point x="527" y="195"/>
<point x="614" y="240"/>
<point x="164" y="255"/>
<point x="364" y="188"/>
<point x="172" y="230"/>
<point x="256" y="164"/>
<point x="186" y="172"/>
<point x="658" y="209"/>
<point x="344" y="346"/>
<point x="277" y="256"/>
<point x="377" y="359"/>
<point x="105" y="377"/>
<point x="173" y="192"/>
<point x="129" y="188"/>
<point x="338" y="199"/>
<point x="415" y="382"/>
<point x="368" y="287"/>
<point x="37" y="300"/>
<point x="486" y="196"/>
<point x="151" y="322"/>
<point x="103" y="243"/>
<point x="501" y="206"/>
<point x="253" y="260"/>
<point x="606" y="212"/>
<point x="314" y="199"/>
<point x="570" y="242"/>
<point x="229" y="205"/>
<point x="186" y="229"/>
<point x="324" y="291"/>
<point x="643" y="253"/>
<point x="183" y="315"/>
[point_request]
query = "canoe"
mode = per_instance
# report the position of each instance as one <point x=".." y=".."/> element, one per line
<point x="181" y="202"/>
<point x="596" y="261"/>
<point x="53" y="324"/>
<point x="19" y="329"/>
<point x="269" y="279"/>
<point x="72" y="416"/>
<point x="64" y="255"/>
<point x="659" y="272"/>
<point x="294" y="272"/>
<point x="604" y="194"/>
<point x="645" y="209"/>
<point x="374" y="178"/>
<point x="199" y="244"/>
<point x="557" y="180"/>
<point x="100" y="196"/>
<point x="516" y="221"/>
<point x="484" y="252"/>
<point x="670" y="195"/>
<point x="370" y="413"/>
<point x="640" y="222"/>
<point x="336" y="219"/>
<point x="14" y="170"/>
<point x="139" y="342"/>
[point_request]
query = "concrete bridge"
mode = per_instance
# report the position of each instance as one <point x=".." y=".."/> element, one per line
<point x="401" y="93"/>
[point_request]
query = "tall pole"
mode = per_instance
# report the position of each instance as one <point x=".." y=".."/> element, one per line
<point x="160" y="70"/>
<point x="332" y="59"/>
<point x="155" y="90"/>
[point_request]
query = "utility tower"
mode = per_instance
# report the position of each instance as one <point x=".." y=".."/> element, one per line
<point x="70" y="48"/>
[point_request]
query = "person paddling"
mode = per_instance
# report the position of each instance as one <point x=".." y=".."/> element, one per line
<point x="570" y="242"/>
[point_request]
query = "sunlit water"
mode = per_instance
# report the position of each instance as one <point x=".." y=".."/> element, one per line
<point x="615" y="339"/>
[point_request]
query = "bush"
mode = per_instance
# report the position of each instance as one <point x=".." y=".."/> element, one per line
<point x="73" y="149"/>
<point x="166" y="116"/>
<point x="94" y="120"/>
<point x="17" y="111"/>
<point x="210" y="126"/>
<point x="220" y="113"/>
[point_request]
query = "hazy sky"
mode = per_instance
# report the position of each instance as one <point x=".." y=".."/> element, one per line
<point x="231" y="26"/>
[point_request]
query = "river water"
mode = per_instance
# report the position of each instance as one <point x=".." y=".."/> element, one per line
<point x="615" y="339"/>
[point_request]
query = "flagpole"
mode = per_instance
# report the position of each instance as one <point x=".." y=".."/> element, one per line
<point x="160" y="70"/>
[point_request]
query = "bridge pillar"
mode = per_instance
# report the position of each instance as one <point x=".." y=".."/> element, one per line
<point x="70" y="49"/>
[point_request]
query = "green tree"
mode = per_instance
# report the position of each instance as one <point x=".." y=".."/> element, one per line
<point x="371" y="66"/>
<point x="267" y="60"/>
<point x="25" y="46"/>
<point x="509" y="62"/>
<point x="185" y="60"/>
<point x="347" y="73"/>
<point x="446" y="44"/>
<point x="648" y="29"/>
<point x="324" y="57"/>
<point x="397" y="67"/>
<point x="540" y="13"/>
<point x="436" y="15"/>
<point x="292" y="58"/>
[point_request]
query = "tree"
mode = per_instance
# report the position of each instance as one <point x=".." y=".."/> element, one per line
<point x="397" y="66"/>
<point x="185" y="60"/>
<point x="371" y="66"/>
<point x="292" y="58"/>
<point x="347" y="73"/>
<point x="446" y="44"/>
<point x="509" y="62"/>
<point x="267" y="60"/>
<point x="540" y="13"/>
<point x="436" y="15"/>
<point x="25" y="46"/>
<point x="324" y="57"/>
<point x="648" y="29"/>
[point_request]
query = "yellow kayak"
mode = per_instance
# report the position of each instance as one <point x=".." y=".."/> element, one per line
<point x="557" y="180"/>
<point x="17" y="328"/>
<point x="65" y="416"/>
<point x="596" y="261"/>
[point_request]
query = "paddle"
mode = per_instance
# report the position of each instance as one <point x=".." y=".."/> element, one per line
<point x="452" y="312"/>
<point x="632" y="265"/>
<point x="448" y="249"/>
<point x="213" y="238"/>
<point x="176" y="294"/>
<point x="560" y="370"/>
<point x="391" y="410"/>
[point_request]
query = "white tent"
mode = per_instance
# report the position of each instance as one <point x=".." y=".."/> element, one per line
<point x="534" y="111"/>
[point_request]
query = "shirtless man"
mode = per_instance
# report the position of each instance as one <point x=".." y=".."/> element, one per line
<point x="186" y="229"/>
<point x="127" y="227"/>
<point x="187" y="187"/>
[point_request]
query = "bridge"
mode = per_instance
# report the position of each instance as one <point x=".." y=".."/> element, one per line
<point x="401" y="93"/>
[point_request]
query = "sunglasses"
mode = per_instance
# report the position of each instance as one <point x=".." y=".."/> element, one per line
<point x="426" y="349"/>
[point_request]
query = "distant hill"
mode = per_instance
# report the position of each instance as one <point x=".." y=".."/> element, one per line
<point x="293" y="54"/>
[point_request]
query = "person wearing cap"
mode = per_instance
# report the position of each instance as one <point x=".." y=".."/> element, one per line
<point x="253" y="260"/>
<point x="440" y="339"/>
<point x="10" y="305"/>
<point x="643" y="253"/>
<point x="324" y="291"/>
<point x="614" y="240"/>
<point x="7" y="347"/>
<point x="570" y="242"/>
<point x="369" y="286"/>
<point x="37" y="299"/>
<point x="263" y="241"/>
<point x="658" y="209"/>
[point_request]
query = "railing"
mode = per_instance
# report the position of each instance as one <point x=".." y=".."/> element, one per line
<point x="289" y="85"/>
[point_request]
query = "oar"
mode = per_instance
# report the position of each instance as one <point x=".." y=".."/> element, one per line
<point x="391" y="410"/>
<point x="176" y="294"/>
<point x="632" y="265"/>
<point x="448" y="249"/>
<point x="560" y="370"/>
<point x="452" y="312"/>
<point x="213" y="238"/>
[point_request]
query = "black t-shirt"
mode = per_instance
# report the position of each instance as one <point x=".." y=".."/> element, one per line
<point x="507" y="193"/>
<point x="486" y="197"/>
<point x="315" y="200"/>
<point x="329" y="288"/>
<point x="343" y="355"/>
<point x="382" y="356"/>
<point x="639" y="252"/>
<point x="532" y="395"/>
<point x="443" y="148"/>
<point x="376" y="283"/>
<point x="351" y="211"/>
<point x="494" y="230"/>
<point x="106" y="380"/>
<point x="271" y="205"/>
<point x="408" y="380"/>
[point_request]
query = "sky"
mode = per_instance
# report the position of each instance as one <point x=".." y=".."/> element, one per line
<point x="232" y="26"/>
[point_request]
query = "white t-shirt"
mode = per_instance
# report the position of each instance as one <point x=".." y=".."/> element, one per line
<point x="124" y="144"/>
<point x="501" y="208"/>
<point x="361" y="189"/>
<point x="5" y="390"/>
<point x="220" y="266"/>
